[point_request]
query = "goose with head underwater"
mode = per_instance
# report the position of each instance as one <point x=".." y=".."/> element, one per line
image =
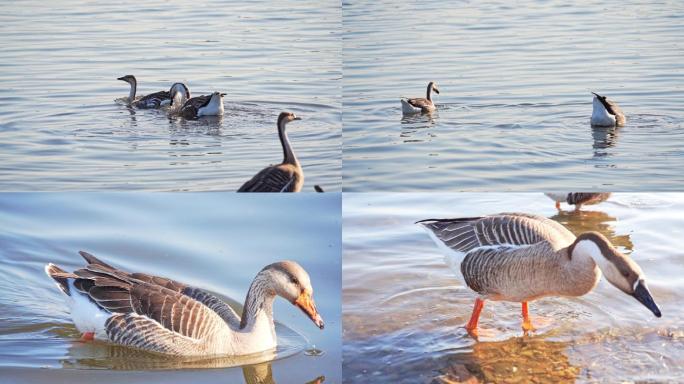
<point x="606" y="113"/>
<point x="419" y="104"/>
<point x="161" y="315"/>
<point x="284" y="177"/>
<point x="519" y="258"/>
<point x="153" y="100"/>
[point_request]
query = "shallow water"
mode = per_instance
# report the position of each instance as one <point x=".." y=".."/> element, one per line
<point x="61" y="129"/>
<point x="215" y="241"/>
<point x="514" y="108"/>
<point x="404" y="311"/>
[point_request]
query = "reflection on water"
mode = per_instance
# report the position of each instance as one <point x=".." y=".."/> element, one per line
<point x="579" y="221"/>
<point x="515" y="110"/>
<point x="519" y="359"/>
<point x="412" y="126"/>
<point x="404" y="310"/>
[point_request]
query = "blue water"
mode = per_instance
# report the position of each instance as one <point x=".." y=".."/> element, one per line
<point x="514" y="108"/>
<point x="61" y="129"/>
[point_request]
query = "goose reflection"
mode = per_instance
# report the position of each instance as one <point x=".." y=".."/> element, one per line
<point x="96" y="355"/>
<point x="604" y="138"/>
<point x="584" y="221"/>
<point x="513" y="360"/>
<point x="413" y="124"/>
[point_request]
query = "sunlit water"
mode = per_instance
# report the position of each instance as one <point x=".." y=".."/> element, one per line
<point x="514" y="108"/>
<point x="404" y="310"/>
<point x="61" y="129"/>
<point x="214" y="241"/>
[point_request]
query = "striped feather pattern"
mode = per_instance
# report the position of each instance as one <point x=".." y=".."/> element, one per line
<point x="277" y="178"/>
<point x="466" y="234"/>
<point x="153" y="100"/>
<point x="514" y="256"/>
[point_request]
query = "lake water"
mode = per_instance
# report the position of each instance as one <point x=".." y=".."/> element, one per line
<point x="514" y="108"/>
<point x="61" y="129"/>
<point x="404" y="310"/>
<point x="214" y="241"/>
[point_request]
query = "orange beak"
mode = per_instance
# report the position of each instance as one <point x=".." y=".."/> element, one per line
<point x="306" y="304"/>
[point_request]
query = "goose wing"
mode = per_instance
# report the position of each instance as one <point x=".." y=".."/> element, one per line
<point x="209" y="300"/>
<point x="278" y="178"/>
<point x="587" y="197"/>
<point x="153" y="100"/>
<point x="194" y="104"/>
<point x="502" y="256"/>
<point x="506" y="229"/>
<point x="420" y="102"/>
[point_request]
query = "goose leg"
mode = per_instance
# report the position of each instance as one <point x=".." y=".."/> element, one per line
<point x="558" y="205"/>
<point x="527" y="324"/>
<point x="471" y="327"/>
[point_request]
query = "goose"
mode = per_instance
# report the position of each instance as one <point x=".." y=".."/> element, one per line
<point x="520" y="257"/>
<point x="578" y="198"/>
<point x="160" y="315"/>
<point x="284" y="177"/>
<point x="205" y="105"/>
<point x="418" y="105"/>
<point x="153" y="100"/>
<point x="606" y="113"/>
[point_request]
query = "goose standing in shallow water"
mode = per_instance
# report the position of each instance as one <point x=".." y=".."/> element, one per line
<point x="519" y="257"/>
<point x="284" y="177"/>
<point x="578" y="198"/>
<point x="153" y="100"/>
<point x="420" y="105"/>
<point x="606" y="113"/>
<point x="206" y="105"/>
<point x="165" y="316"/>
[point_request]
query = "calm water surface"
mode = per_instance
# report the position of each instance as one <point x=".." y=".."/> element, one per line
<point x="61" y="129"/>
<point x="514" y="108"/>
<point x="404" y="310"/>
<point x="214" y="241"/>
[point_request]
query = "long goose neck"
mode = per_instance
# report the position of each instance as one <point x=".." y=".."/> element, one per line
<point x="288" y="155"/>
<point x="258" y="308"/>
<point x="134" y="88"/>
<point x="429" y="92"/>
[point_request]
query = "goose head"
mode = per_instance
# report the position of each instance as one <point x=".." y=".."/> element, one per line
<point x="130" y="79"/>
<point x="290" y="281"/>
<point x="286" y="117"/>
<point x="217" y="97"/>
<point x="434" y="87"/>
<point x="180" y="87"/>
<point x="619" y="269"/>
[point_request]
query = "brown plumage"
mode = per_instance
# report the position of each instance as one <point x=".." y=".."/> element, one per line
<point x="423" y="104"/>
<point x="520" y="257"/>
<point x="284" y="177"/>
<point x="161" y="315"/>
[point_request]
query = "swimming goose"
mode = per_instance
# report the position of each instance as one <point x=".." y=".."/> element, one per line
<point x="165" y="316"/>
<point x="578" y="198"/>
<point x="153" y="100"/>
<point x="606" y="113"/>
<point x="284" y="177"/>
<point x="420" y="104"/>
<point x="519" y="257"/>
<point x="205" y="105"/>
